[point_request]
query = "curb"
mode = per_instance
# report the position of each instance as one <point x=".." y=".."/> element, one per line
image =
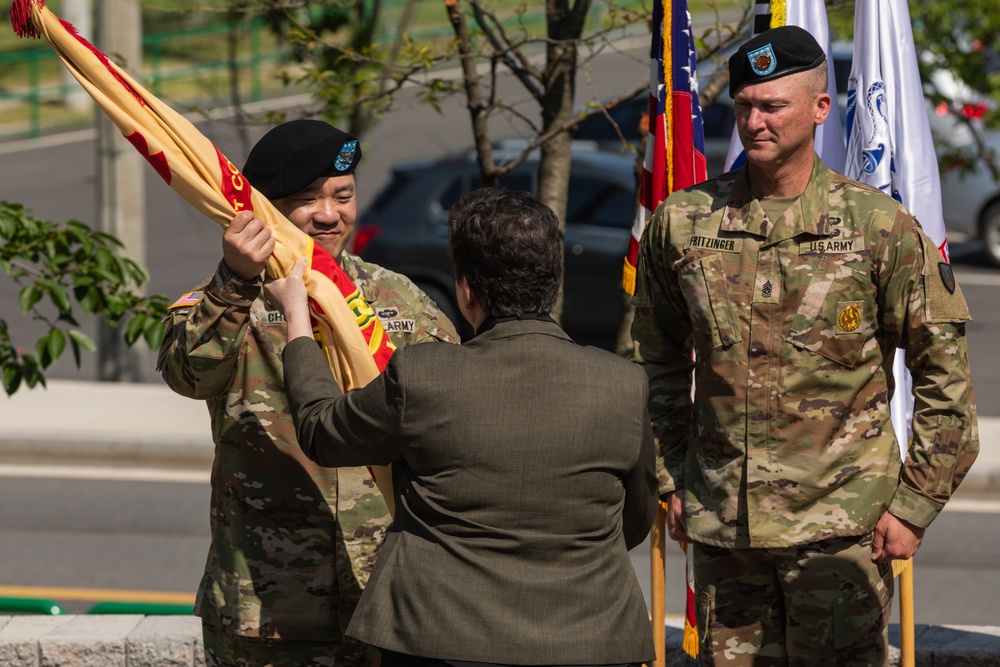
<point x="159" y="641"/>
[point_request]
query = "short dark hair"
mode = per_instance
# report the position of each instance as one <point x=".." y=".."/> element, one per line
<point x="508" y="247"/>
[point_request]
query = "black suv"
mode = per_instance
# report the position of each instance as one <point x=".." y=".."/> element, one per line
<point x="405" y="230"/>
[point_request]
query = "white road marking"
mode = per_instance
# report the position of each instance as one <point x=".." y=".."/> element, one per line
<point x="106" y="473"/>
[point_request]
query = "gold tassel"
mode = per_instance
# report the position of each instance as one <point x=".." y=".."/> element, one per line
<point x="628" y="278"/>
<point x="778" y="17"/>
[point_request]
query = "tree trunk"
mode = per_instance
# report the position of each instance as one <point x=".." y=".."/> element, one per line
<point x="565" y="26"/>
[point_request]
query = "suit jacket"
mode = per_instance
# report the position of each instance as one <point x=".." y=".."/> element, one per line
<point x="523" y="467"/>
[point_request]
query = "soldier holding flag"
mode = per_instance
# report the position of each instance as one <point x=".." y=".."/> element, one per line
<point x="293" y="543"/>
<point x="793" y="286"/>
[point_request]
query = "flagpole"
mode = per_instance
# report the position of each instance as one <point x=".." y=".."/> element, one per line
<point x="907" y="649"/>
<point x="657" y="566"/>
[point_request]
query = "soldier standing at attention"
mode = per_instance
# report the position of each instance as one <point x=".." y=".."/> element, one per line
<point x="293" y="543"/>
<point x="782" y="290"/>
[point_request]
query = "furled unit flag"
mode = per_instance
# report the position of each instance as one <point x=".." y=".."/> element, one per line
<point x="811" y="16"/>
<point x="352" y="337"/>
<point x="675" y="145"/>
<point x="889" y="142"/>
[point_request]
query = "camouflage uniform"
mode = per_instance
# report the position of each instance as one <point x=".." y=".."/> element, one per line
<point x="793" y="320"/>
<point x="292" y="543"/>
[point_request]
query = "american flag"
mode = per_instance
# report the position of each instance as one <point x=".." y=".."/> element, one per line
<point x="675" y="145"/>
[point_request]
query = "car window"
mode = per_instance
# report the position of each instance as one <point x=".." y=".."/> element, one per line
<point x="470" y="181"/>
<point x="400" y="179"/>
<point x="595" y="202"/>
<point x="627" y="115"/>
<point x="719" y="120"/>
<point x="841" y="73"/>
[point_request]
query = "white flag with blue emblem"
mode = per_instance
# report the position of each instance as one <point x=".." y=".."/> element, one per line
<point x="811" y="16"/>
<point x="889" y="143"/>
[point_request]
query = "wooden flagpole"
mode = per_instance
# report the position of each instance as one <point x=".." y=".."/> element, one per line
<point x="657" y="567"/>
<point x="907" y="648"/>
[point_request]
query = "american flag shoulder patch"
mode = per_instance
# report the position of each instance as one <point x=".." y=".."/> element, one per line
<point x="186" y="300"/>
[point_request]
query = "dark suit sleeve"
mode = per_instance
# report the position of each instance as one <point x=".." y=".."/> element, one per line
<point x="336" y="429"/>
<point x="640" y="489"/>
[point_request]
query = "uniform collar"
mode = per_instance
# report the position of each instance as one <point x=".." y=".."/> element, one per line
<point x="744" y="213"/>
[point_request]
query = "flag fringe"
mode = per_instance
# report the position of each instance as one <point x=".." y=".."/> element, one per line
<point x="20" y="18"/>
<point x="778" y="13"/>
<point x="628" y="278"/>
<point x="899" y="566"/>
<point x="690" y="644"/>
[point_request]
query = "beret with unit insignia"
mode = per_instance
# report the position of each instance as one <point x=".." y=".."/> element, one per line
<point x="773" y="54"/>
<point x="294" y="154"/>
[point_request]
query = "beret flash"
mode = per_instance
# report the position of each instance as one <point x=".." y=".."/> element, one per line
<point x="294" y="154"/>
<point x="773" y="54"/>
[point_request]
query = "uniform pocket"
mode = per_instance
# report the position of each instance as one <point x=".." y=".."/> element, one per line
<point x="713" y="318"/>
<point x="835" y="314"/>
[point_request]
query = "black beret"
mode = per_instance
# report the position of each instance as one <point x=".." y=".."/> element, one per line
<point x="294" y="154"/>
<point x="773" y="54"/>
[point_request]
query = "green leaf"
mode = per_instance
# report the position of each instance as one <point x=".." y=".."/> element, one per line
<point x="11" y="378"/>
<point x="41" y="354"/>
<point x="134" y="329"/>
<point x="28" y="297"/>
<point x="75" y="346"/>
<point x="91" y="299"/>
<point x="153" y="332"/>
<point x="59" y="296"/>
<point x="140" y="276"/>
<point x="56" y="343"/>
<point x="82" y="339"/>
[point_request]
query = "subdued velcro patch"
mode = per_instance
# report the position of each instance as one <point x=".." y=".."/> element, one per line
<point x="943" y="297"/>
<point x="641" y="296"/>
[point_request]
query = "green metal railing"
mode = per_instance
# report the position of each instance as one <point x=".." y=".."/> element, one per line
<point x="160" y="69"/>
<point x="29" y="606"/>
<point x="168" y="57"/>
<point x="144" y="608"/>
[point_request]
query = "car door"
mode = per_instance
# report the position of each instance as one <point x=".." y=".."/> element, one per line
<point x="598" y="227"/>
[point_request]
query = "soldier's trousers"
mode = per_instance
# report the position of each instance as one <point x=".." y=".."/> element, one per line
<point x="224" y="649"/>
<point x="824" y="603"/>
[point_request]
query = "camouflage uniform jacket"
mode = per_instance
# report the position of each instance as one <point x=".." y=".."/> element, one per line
<point x="292" y="543"/>
<point x="793" y="325"/>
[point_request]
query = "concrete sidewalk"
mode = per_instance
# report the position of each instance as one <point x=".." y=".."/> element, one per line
<point x="140" y="423"/>
<point x="121" y="423"/>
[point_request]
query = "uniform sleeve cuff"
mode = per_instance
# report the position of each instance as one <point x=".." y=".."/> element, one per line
<point x="233" y="290"/>
<point x="914" y="508"/>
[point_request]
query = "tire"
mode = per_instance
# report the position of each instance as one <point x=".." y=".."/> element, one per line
<point x="448" y="308"/>
<point x="989" y="232"/>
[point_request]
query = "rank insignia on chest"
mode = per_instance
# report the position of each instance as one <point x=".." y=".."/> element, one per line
<point x="848" y="317"/>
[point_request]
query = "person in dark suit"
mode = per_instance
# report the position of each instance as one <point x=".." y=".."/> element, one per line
<point x="523" y="464"/>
